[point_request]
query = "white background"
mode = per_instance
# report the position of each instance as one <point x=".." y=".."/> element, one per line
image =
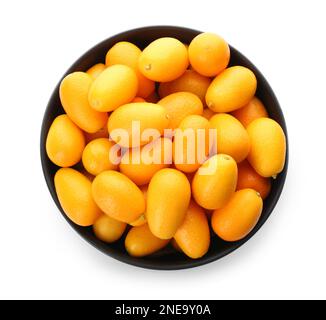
<point x="42" y="257"/>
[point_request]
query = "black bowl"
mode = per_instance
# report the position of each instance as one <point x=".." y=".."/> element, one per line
<point x="167" y="259"/>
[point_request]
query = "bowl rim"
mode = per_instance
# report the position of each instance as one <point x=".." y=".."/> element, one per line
<point x="142" y="263"/>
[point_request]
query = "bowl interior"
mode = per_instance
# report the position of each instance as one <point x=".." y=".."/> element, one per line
<point x="167" y="259"/>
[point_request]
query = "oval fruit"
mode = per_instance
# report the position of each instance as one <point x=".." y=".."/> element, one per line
<point x="108" y="229"/>
<point x="168" y="198"/>
<point x="236" y="220"/>
<point x="123" y="52"/>
<point x="163" y="60"/>
<point x="268" y="147"/>
<point x="190" y="81"/>
<point x="193" y="236"/>
<point x="252" y="111"/>
<point x="115" y="86"/>
<point x="179" y="105"/>
<point x="96" y="156"/>
<point x="191" y="143"/>
<point x="96" y="70"/>
<point x="209" y="54"/>
<point x="74" y="98"/>
<point x="249" y="178"/>
<point x="140" y="164"/>
<point x="74" y="193"/>
<point x="65" y="142"/>
<point x="146" y="115"/>
<point x="140" y="242"/>
<point x="118" y="196"/>
<point x="231" y="136"/>
<point x="127" y="53"/>
<point x="232" y="89"/>
<point x="215" y="181"/>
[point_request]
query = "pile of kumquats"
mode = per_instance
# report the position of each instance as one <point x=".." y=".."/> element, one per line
<point x="160" y="144"/>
